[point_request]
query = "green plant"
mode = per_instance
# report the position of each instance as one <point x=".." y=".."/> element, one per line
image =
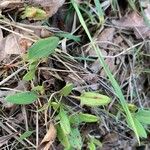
<point x="68" y="122"/>
<point x="41" y="49"/>
<point x="114" y="83"/>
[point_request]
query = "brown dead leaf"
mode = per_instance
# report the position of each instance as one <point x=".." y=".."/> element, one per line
<point x="13" y="44"/>
<point x="111" y="138"/>
<point x="48" y="139"/>
<point x="50" y="6"/>
<point x="103" y="41"/>
<point x="105" y="36"/>
<point x="135" y="22"/>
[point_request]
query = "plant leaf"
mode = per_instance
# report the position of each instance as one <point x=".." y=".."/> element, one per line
<point x="26" y="134"/>
<point x="87" y="118"/>
<point x="22" y="98"/>
<point x="34" y="13"/>
<point x="140" y="129"/>
<point x="91" y="145"/>
<point x="68" y="36"/>
<point x="94" y="99"/>
<point x="143" y="116"/>
<point x="43" y="48"/>
<point x="65" y="91"/>
<point x="29" y="75"/>
<point x="63" y="138"/>
<point x="75" y="139"/>
<point x="64" y="121"/>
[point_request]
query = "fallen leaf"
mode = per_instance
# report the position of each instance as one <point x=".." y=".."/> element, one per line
<point x="135" y="22"/>
<point x="111" y="138"/>
<point x="50" y="6"/>
<point x="48" y="139"/>
<point x="12" y="44"/>
<point x="105" y="36"/>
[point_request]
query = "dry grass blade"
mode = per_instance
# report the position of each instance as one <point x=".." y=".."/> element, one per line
<point x="4" y="139"/>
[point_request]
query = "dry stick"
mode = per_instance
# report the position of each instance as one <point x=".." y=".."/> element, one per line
<point x="24" y="113"/>
<point x="12" y="75"/>
<point x="19" y="27"/>
<point x="19" y="135"/>
<point x="22" y="36"/>
<point x="10" y="132"/>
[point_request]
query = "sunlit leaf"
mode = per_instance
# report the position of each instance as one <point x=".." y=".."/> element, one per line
<point x="140" y="128"/>
<point x="94" y="99"/>
<point x="30" y="75"/>
<point x="87" y="118"/>
<point x="34" y="13"/>
<point x="22" y="98"/>
<point x="65" y="91"/>
<point x="143" y="116"/>
<point x="91" y="145"/>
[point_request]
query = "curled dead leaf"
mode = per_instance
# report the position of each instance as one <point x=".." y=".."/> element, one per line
<point x="48" y="139"/>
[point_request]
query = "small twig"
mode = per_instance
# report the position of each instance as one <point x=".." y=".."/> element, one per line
<point x="12" y="75"/>
<point x="22" y="36"/>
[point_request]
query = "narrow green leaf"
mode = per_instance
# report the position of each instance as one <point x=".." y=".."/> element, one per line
<point x="68" y="36"/>
<point x="94" y="99"/>
<point x="74" y="119"/>
<point x="75" y="139"/>
<point x="65" y="91"/>
<point x="63" y="138"/>
<point x="39" y="88"/>
<point x="140" y="129"/>
<point x="91" y="145"/>
<point x="143" y="116"/>
<point x="64" y="121"/>
<point x="87" y="118"/>
<point x="30" y="75"/>
<point x="97" y="142"/>
<point x="99" y="10"/>
<point x="43" y="48"/>
<point x="25" y="135"/>
<point x="22" y="98"/>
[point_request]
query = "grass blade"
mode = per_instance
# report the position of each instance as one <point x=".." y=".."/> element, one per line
<point x="108" y="72"/>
